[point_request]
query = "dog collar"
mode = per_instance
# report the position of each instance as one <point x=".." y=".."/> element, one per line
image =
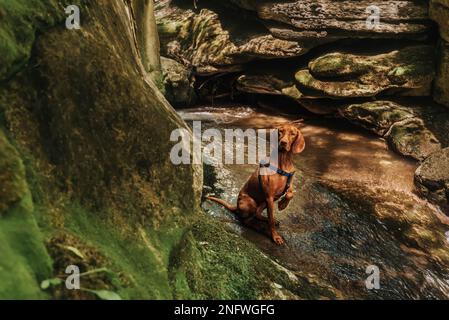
<point x="264" y="164"/>
<point x="279" y="171"/>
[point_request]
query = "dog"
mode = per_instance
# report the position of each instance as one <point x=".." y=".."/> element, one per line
<point x="261" y="191"/>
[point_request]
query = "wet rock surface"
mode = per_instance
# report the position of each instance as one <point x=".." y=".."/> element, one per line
<point x="353" y="207"/>
<point x="432" y="178"/>
<point x="411" y="138"/>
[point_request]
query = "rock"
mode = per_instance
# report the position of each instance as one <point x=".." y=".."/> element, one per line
<point x="439" y="11"/>
<point x="178" y="82"/>
<point x="377" y="116"/>
<point x="432" y="178"/>
<point x="267" y="84"/>
<point x="201" y="39"/>
<point x="408" y="72"/>
<point x="20" y="22"/>
<point x="343" y="19"/>
<point x="96" y="135"/>
<point x="412" y="138"/>
<point x="441" y="86"/>
<point x="412" y="128"/>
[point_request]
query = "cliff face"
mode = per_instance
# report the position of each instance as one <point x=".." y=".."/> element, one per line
<point x="85" y="151"/>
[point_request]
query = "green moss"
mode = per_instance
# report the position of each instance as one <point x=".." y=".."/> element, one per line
<point x="139" y="255"/>
<point x="20" y="21"/>
<point x="213" y="263"/>
<point x="24" y="261"/>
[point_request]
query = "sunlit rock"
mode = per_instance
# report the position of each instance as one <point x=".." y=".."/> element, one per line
<point x="407" y="72"/>
<point x="412" y="138"/>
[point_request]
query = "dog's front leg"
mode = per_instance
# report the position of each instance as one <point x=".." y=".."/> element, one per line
<point x="272" y="222"/>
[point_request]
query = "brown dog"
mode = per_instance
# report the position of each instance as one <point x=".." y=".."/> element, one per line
<point x="261" y="191"/>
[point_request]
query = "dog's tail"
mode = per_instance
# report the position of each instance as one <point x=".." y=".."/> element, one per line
<point x="228" y="206"/>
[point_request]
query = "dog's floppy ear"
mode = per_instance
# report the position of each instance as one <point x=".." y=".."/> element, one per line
<point x="300" y="144"/>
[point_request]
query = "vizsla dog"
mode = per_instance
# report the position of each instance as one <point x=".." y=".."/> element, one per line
<point x="262" y="190"/>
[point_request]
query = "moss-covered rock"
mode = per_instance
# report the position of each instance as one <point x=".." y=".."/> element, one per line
<point x="406" y="72"/>
<point x="377" y="116"/>
<point x="412" y="138"/>
<point x="24" y="262"/>
<point x="412" y="128"/>
<point x="204" y="269"/>
<point x="20" y="21"/>
<point x="178" y="82"/>
<point x="95" y="135"/>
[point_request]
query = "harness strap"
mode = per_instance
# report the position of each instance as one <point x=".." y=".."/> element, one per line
<point x="281" y="172"/>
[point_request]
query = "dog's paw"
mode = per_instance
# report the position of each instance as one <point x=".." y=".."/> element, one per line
<point x="278" y="239"/>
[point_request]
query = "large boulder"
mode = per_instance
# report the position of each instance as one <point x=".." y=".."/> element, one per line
<point x="408" y="72"/>
<point x="432" y="178"/>
<point x="413" y="129"/>
<point x="412" y="138"/>
<point x="376" y="116"/>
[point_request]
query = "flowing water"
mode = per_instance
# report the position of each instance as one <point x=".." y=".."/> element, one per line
<point x="354" y="207"/>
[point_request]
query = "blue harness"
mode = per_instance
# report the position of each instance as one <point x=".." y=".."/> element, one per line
<point x="289" y="175"/>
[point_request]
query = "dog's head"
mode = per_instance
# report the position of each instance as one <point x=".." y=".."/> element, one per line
<point x="290" y="139"/>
